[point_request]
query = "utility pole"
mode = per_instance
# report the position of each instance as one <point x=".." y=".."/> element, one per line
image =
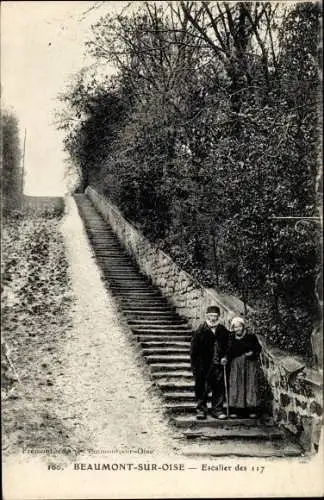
<point x="23" y="170"/>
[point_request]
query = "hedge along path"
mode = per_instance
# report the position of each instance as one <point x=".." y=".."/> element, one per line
<point x="105" y="388"/>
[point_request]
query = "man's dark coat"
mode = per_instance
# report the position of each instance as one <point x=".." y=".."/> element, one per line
<point x="202" y="347"/>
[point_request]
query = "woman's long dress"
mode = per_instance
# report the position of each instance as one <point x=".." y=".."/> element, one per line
<point x="245" y="373"/>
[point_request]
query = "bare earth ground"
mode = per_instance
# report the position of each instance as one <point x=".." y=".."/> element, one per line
<point x="82" y="383"/>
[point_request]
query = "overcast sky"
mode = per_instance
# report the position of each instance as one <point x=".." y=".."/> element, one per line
<point x="42" y="44"/>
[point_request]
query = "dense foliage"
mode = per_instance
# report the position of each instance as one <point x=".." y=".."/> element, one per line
<point x="11" y="173"/>
<point x="205" y="136"/>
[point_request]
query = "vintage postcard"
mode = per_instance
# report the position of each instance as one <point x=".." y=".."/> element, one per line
<point x="161" y="262"/>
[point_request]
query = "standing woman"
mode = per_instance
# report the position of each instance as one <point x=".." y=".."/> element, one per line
<point x="245" y="371"/>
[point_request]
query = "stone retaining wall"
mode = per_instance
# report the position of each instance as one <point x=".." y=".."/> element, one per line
<point x="296" y="392"/>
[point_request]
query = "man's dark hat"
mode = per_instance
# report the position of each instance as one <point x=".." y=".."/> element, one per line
<point x="213" y="309"/>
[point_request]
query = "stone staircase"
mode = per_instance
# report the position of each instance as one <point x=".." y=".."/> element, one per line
<point x="165" y="342"/>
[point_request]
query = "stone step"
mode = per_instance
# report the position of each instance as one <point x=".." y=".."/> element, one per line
<point x="165" y="351"/>
<point x="237" y="448"/>
<point x="106" y="245"/>
<point x="107" y="253"/>
<point x="104" y="236"/>
<point x="151" y="298"/>
<point x="183" y="414"/>
<point x="181" y="407"/>
<point x="109" y="256"/>
<point x="149" y="333"/>
<point x="172" y="375"/>
<point x="183" y="328"/>
<point x="105" y="239"/>
<point x="153" y="321"/>
<point x="146" y="309"/>
<point x="234" y="432"/>
<point x="117" y="260"/>
<point x="120" y="282"/>
<point x="123" y="271"/>
<point x="107" y="260"/>
<point x="136" y="294"/>
<point x="147" y="338"/>
<point x="94" y="223"/>
<point x="128" y="280"/>
<point x="149" y="322"/>
<point x="175" y="385"/>
<point x="151" y="313"/>
<point x="114" y="276"/>
<point x="109" y="263"/>
<point x="130" y="288"/>
<point x="120" y="268"/>
<point x="168" y="359"/>
<point x="166" y="347"/>
<point x="185" y="396"/>
<point x="176" y="335"/>
<point x="191" y="422"/>
<point x="109" y="245"/>
<point x="162" y="367"/>
<point x="173" y="343"/>
<point x="143" y="302"/>
<point x="103" y="231"/>
<point x="153" y="305"/>
<point x="160" y="309"/>
<point x="132" y="284"/>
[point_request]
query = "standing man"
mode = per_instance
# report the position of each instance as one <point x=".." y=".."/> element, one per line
<point x="209" y="347"/>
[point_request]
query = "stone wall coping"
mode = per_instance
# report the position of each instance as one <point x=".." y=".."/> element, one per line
<point x="314" y="377"/>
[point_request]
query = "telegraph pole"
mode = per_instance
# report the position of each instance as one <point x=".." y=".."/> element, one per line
<point x="23" y="170"/>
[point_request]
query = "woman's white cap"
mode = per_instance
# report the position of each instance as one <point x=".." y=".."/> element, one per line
<point x="237" y="321"/>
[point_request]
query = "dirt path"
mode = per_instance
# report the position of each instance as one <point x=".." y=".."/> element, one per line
<point x="105" y="391"/>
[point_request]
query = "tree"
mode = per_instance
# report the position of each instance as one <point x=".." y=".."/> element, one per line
<point x="11" y="172"/>
<point x="206" y="135"/>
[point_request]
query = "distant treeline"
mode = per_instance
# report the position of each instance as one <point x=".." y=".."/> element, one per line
<point x="206" y="135"/>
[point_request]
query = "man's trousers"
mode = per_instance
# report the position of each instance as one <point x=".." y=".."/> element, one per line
<point x="213" y="381"/>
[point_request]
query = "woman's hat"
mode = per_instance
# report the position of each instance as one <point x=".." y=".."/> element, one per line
<point x="213" y="310"/>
